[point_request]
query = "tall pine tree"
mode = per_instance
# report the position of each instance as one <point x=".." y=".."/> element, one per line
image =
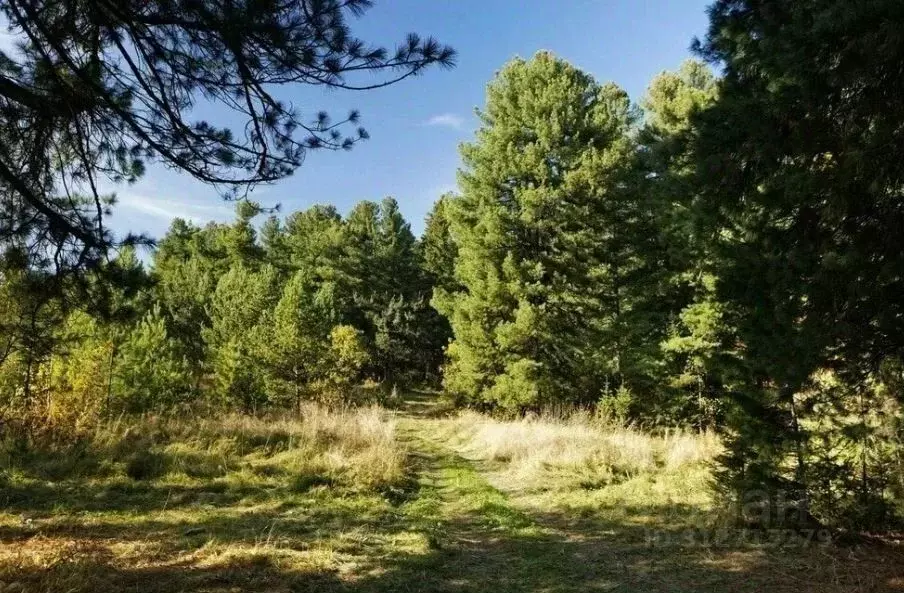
<point x="804" y="195"/>
<point x="543" y="192"/>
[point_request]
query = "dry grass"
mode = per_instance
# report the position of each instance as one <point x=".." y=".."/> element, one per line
<point x="355" y="447"/>
<point x="331" y="501"/>
<point x="577" y="450"/>
<point x="172" y="504"/>
<point x="639" y="508"/>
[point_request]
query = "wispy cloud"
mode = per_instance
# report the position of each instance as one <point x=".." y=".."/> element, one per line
<point x="166" y="209"/>
<point x="447" y="120"/>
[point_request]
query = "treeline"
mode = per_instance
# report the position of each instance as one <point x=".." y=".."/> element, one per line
<point x="726" y="255"/>
<point x="308" y="307"/>
<point x="236" y="315"/>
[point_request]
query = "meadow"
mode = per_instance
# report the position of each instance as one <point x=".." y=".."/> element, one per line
<point x="415" y="499"/>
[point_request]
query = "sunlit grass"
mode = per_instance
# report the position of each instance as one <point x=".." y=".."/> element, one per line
<point x="582" y="458"/>
<point x="252" y="501"/>
<point x="364" y="500"/>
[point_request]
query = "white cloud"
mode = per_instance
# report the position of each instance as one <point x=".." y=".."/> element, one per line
<point x="165" y="209"/>
<point x="447" y="120"/>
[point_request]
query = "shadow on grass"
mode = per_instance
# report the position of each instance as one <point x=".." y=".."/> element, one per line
<point x="92" y="572"/>
<point x="493" y="547"/>
<point x="555" y="562"/>
<point x="143" y="452"/>
<point x="426" y="405"/>
<point x="84" y="535"/>
<point x="73" y="496"/>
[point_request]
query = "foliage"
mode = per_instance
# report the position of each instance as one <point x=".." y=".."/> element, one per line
<point x="725" y="255"/>
<point x="439" y="248"/>
<point x="295" y="344"/>
<point x="801" y="194"/>
<point x="242" y="297"/>
<point x="676" y="309"/>
<point x="149" y="371"/>
<point x="343" y="363"/>
<point x="537" y="227"/>
<point x="95" y="90"/>
<point x="81" y="379"/>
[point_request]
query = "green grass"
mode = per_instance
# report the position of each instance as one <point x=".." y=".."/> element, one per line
<point x="374" y="501"/>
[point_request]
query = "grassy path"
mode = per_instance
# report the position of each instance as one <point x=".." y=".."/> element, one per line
<point x="480" y="541"/>
<point x="486" y="540"/>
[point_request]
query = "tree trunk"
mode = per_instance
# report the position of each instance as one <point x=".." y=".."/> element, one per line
<point x="800" y="473"/>
<point x="109" y="401"/>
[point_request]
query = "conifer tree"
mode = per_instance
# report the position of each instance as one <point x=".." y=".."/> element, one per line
<point x="345" y="359"/>
<point x="801" y="167"/>
<point x="543" y="190"/>
<point x="241" y="300"/>
<point x="149" y="371"/>
<point x="391" y="303"/>
<point x="679" y="284"/>
<point x="438" y="253"/>
<point x="317" y="243"/>
<point x="296" y="338"/>
<point x="82" y="374"/>
<point x="438" y="248"/>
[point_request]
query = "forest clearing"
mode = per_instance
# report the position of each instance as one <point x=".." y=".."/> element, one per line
<point x="397" y="500"/>
<point x="614" y="300"/>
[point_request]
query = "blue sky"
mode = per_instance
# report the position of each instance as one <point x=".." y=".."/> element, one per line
<point x="417" y="125"/>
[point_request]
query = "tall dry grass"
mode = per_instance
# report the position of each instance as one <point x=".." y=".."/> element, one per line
<point x="577" y="450"/>
<point x="199" y="502"/>
<point x="316" y="445"/>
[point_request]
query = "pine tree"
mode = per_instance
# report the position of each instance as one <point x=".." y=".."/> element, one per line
<point x="401" y="299"/>
<point x="149" y="372"/>
<point x="803" y="198"/>
<point x="81" y="374"/>
<point x="318" y="244"/>
<point x="679" y="283"/>
<point x="438" y="248"/>
<point x="391" y="294"/>
<point x="536" y="226"/>
<point x="241" y="300"/>
<point x="296" y="339"/>
<point x="188" y="265"/>
<point x="239" y="241"/>
<point x="343" y="364"/>
<point x="274" y="243"/>
<point x="438" y="253"/>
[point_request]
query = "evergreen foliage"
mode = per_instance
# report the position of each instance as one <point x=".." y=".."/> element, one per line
<point x="801" y="191"/>
<point x="149" y="371"/>
<point x="295" y="340"/>
<point x="541" y="260"/>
